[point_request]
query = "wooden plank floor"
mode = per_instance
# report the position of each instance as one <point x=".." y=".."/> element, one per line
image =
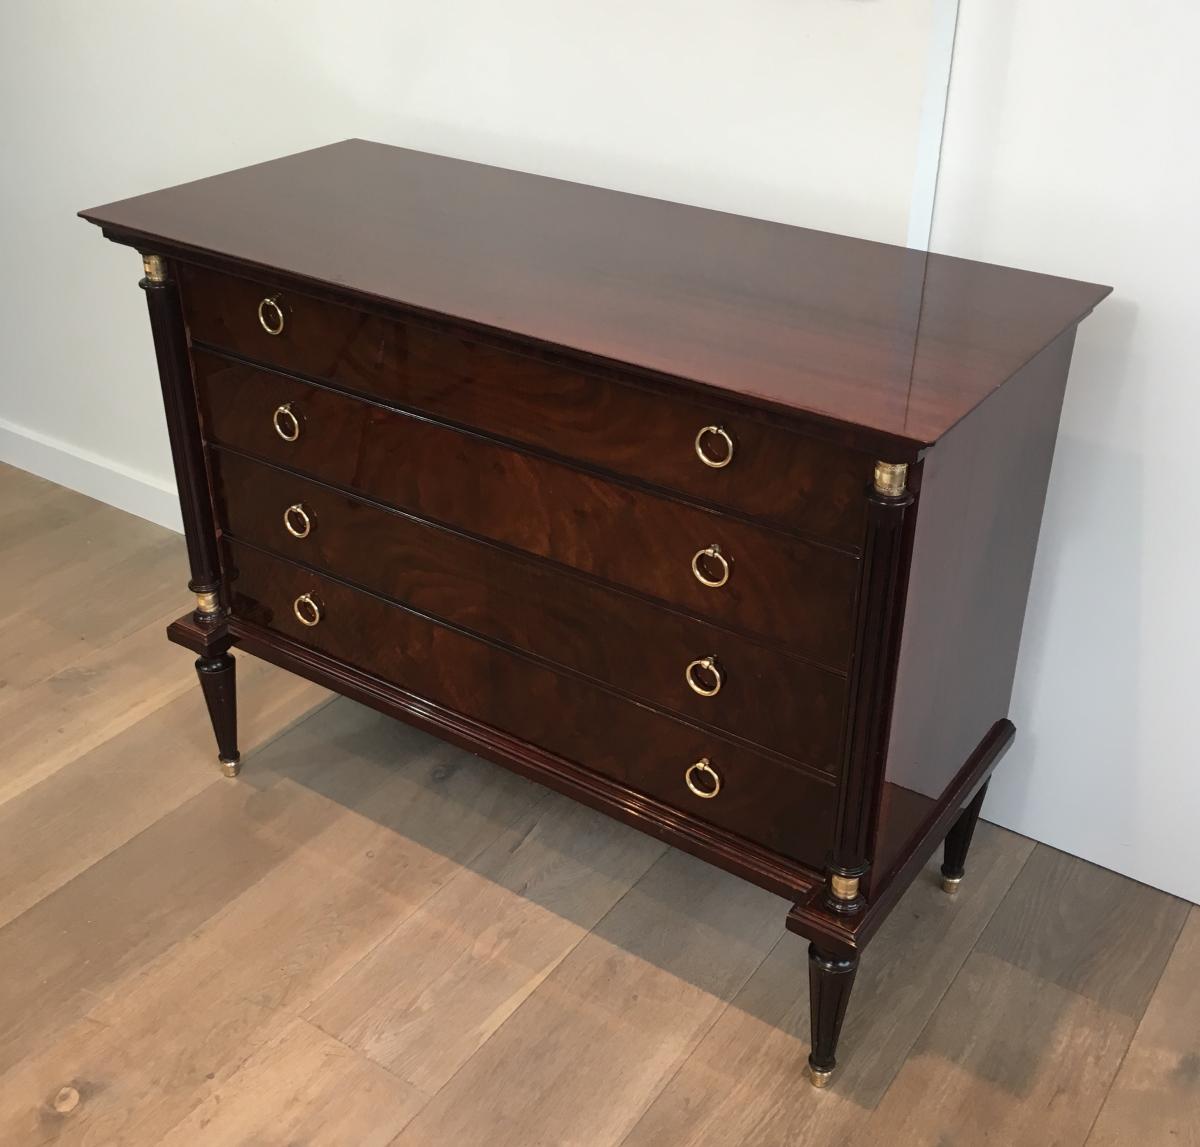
<point x="373" y="938"/>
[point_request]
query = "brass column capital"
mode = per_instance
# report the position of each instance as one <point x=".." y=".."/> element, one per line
<point x="891" y="478"/>
<point x="155" y="267"/>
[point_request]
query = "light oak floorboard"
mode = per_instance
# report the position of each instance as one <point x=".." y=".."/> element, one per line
<point x="304" y="1088"/>
<point x="99" y="929"/>
<point x="1086" y="929"/>
<point x="1156" y="1095"/>
<point x="745" y="1082"/>
<point x="58" y="719"/>
<point x="166" y="1038"/>
<point x="1009" y="1058"/>
<point x="63" y="615"/>
<point x="18" y="486"/>
<point x="53" y="567"/>
<point x="56" y="829"/>
<point x="431" y="994"/>
<point x="587" y="1052"/>
<point x="1030" y="1036"/>
<point x="130" y="1082"/>
<point x="31" y="506"/>
<point x="163" y="1039"/>
<point x="419" y="816"/>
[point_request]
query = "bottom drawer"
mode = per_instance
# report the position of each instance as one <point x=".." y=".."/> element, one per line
<point x="780" y="808"/>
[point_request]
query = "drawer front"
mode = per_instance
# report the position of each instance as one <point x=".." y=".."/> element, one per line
<point x="778" y="586"/>
<point x="764" y="696"/>
<point x="798" y="482"/>
<point x="778" y="807"/>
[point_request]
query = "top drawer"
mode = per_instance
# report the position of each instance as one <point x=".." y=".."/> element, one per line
<point x="800" y="483"/>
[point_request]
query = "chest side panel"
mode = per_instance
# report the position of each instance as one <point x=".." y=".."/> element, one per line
<point x="982" y="490"/>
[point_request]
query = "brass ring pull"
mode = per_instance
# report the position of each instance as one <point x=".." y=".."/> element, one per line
<point x="713" y="553"/>
<point x="269" y="309"/>
<point x="708" y="459"/>
<point x="287" y="425"/>
<point x="710" y="666"/>
<point x="306" y="523"/>
<point x="702" y="768"/>
<point x="307" y="609"/>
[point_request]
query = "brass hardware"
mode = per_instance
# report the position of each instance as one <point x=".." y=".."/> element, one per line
<point x="708" y="459"/>
<point x="307" y="609"/>
<point x="155" y="267"/>
<point x="709" y="664"/>
<point x="843" y="887"/>
<point x="207" y="602"/>
<point x="891" y="478"/>
<point x="819" y="1078"/>
<point x="702" y="767"/>
<point x="275" y="327"/>
<point x="950" y="884"/>
<point x="286" y="412"/>
<point x="232" y="768"/>
<point x="300" y="512"/>
<point x="714" y="554"/>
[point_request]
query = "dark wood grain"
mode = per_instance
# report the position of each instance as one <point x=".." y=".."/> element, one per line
<point x="781" y="587"/>
<point x="641" y="649"/>
<point x="771" y="804"/>
<point x="802" y="483"/>
<point x="882" y="338"/>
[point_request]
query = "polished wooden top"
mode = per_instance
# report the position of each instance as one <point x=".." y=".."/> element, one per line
<point x="896" y="341"/>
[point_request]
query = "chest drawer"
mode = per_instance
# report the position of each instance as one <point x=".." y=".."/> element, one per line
<point x="795" y="481"/>
<point x="775" y="585"/>
<point x="641" y="649"/>
<point x="787" y="810"/>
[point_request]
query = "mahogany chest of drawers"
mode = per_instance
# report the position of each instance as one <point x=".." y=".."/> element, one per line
<point x="721" y="526"/>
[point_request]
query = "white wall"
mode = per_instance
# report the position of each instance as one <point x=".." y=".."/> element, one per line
<point x="1070" y="147"/>
<point x="806" y="111"/>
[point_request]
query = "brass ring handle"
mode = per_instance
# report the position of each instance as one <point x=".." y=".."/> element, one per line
<point x="297" y="511"/>
<point x="287" y="425"/>
<point x="270" y="305"/>
<point x="709" y="664"/>
<point x="307" y="609"/>
<point x="708" y="459"/>
<point x="713" y="553"/>
<point x="702" y="768"/>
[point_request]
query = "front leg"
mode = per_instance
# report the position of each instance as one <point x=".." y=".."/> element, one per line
<point x="217" y="679"/>
<point x="830" y="978"/>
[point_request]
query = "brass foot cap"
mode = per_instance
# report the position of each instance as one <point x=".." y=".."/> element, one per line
<point x="950" y="884"/>
<point x="818" y="1077"/>
<point x="231" y="768"/>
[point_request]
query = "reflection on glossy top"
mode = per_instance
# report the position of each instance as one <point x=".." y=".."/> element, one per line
<point x="889" y="339"/>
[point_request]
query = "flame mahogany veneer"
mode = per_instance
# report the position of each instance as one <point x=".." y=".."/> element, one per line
<point x="465" y="444"/>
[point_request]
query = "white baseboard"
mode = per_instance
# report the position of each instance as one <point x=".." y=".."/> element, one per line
<point x="91" y="474"/>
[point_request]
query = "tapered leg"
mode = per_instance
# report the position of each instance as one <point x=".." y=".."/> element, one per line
<point x="220" y="695"/>
<point x="830" y="979"/>
<point x="958" y="843"/>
